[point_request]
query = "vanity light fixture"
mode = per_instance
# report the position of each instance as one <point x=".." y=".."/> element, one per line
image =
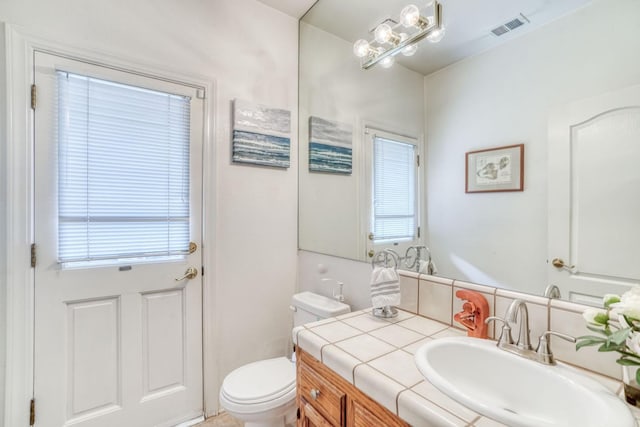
<point x="392" y="37"/>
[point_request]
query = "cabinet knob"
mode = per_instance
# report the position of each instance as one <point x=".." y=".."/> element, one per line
<point x="314" y="393"/>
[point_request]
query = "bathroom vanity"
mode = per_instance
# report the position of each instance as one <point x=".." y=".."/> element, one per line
<point x="326" y="399"/>
<point x="358" y="370"/>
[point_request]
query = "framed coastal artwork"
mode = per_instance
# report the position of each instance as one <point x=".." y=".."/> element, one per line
<point x="261" y="135"/>
<point x="330" y="146"/>
<point x="495" y="169"/>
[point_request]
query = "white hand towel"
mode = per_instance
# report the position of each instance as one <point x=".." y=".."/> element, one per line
<point x="431" y="269"/>
<point x="385" y="287"/>
<point x="427" y="267"/>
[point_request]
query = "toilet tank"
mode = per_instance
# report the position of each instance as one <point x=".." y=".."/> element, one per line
<point x="309" y="307"/>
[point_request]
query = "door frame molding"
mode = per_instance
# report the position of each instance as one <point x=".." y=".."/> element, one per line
<point x="19" y="168"/>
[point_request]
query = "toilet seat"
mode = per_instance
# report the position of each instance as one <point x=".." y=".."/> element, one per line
<point x="259" y="386"/>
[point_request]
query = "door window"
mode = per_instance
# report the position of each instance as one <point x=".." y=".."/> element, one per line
<point x="123" y="175"/>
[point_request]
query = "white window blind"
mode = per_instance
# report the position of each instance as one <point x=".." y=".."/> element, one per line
<point x="123" y="171"/>
<point x="394" y="190"/>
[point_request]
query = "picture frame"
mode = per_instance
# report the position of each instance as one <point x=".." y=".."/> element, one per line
<point x="261" y="135"/>
<point x="495" y="169"/>
<point x="330" y="146"/>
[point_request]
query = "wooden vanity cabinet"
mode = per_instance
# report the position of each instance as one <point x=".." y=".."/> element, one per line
<point x="325" y="399"/>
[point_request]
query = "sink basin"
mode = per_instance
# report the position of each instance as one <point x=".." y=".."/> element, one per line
<point x="515" y="391"/>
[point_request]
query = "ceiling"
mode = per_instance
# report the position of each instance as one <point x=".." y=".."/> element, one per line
<point x="295" y="8"/>
<point x="468" y="24"/>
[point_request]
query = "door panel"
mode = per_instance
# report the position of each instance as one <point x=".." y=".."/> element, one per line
<point x="594" y="147"/>
<point x="117" y="343"/>
<point x="164" y="342"/>
<point x="93" y="329"/>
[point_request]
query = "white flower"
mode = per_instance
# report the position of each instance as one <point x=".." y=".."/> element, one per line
<point x="595" y="316"/>
<point x="633" y="342"/>
<point x="629" y="304"/>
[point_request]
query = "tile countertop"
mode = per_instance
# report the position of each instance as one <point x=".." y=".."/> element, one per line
<point x="376" y="355"/>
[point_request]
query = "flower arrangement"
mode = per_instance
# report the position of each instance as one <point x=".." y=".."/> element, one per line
<point x="617" y="327"/>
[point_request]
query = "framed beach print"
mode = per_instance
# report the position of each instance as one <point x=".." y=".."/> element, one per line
<point x="330" y="146"/>
<point x="495" y="169"/>
<point x="261" y="134"/>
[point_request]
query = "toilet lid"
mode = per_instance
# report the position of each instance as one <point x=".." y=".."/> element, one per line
<point x="260" y="381"/>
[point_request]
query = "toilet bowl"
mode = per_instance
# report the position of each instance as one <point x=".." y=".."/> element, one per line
<point x="263" y="393"/>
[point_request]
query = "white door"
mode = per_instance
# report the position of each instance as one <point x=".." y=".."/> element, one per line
<point x="594" y="196"/>
<point x="118" y="341"/>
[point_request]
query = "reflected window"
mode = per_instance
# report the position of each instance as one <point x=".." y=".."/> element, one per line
<point x="394" y="217"/>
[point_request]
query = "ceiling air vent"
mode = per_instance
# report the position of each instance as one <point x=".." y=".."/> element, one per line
<point x="510" y="26"/>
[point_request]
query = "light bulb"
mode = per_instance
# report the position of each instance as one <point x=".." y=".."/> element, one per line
<point x="410" y="50"/>
<point x="436" y="35"/>
<point x="361" y="48"/>
<point x="429" y="20"/>
<point x="383" y="33"/>
<point x="387" y="62"/>
<point x="410" y="15"/>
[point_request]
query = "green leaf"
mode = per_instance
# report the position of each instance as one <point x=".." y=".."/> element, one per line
<point x="589" y="342"/>
<point x="590" y="337"/>
<point x="620" y="336"/>
<point x="610" y="299"/>
<point x="627" y="362"/>
<point x="601" y="318"/>
<point x="638" y="376"/>
<point x="628" y="354"/>
<point x="610" y="347"/>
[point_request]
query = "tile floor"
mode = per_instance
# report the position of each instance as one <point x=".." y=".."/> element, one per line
<point x="222" y="420"/>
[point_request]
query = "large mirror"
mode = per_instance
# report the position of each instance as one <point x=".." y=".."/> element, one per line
<point x="476" y="90"/>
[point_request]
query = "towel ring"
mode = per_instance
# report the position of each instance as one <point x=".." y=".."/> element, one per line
<point x="416" y="261"/>
<point x="383" y="257"/>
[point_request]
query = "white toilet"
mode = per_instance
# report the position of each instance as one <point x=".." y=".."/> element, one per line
<point x="263" y="393"/>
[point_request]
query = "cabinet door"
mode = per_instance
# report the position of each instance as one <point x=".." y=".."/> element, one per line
<point x="328" y="400"/>
<point x="309" y="417"/>
<point x="361" y="415"/>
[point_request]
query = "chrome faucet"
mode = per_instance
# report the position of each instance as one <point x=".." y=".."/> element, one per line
<point x="524" y="339"/>
<point x="522" y="347"/>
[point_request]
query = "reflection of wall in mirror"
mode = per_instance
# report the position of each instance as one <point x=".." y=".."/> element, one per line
<point x="335" y="88"/>
<point x="497" y="97"/>
<point x="500" y="96"/>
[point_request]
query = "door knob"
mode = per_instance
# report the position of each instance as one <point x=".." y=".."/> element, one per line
<point x="189" y="274"/>
<point x="559" y="263"/>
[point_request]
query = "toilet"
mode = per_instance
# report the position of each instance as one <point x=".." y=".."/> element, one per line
<point x="263" y="393"/>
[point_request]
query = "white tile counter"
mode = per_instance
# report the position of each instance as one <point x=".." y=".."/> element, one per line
<point x="376" y="355"/>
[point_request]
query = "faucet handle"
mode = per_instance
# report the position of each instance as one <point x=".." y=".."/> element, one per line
<point x="505" y="334"/>
<point x="339" y="296"/>
<point x="543" y="351"/>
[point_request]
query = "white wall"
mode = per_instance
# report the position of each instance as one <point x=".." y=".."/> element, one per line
<point x="320" y="273"/>
<point x="503" y="97"/>
<point x="3" y="208"/>
<point x="333" y="86"/>
<point x="250" y="50"/>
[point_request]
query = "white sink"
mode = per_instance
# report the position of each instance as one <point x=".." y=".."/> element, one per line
<point x="516" y="391"/>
